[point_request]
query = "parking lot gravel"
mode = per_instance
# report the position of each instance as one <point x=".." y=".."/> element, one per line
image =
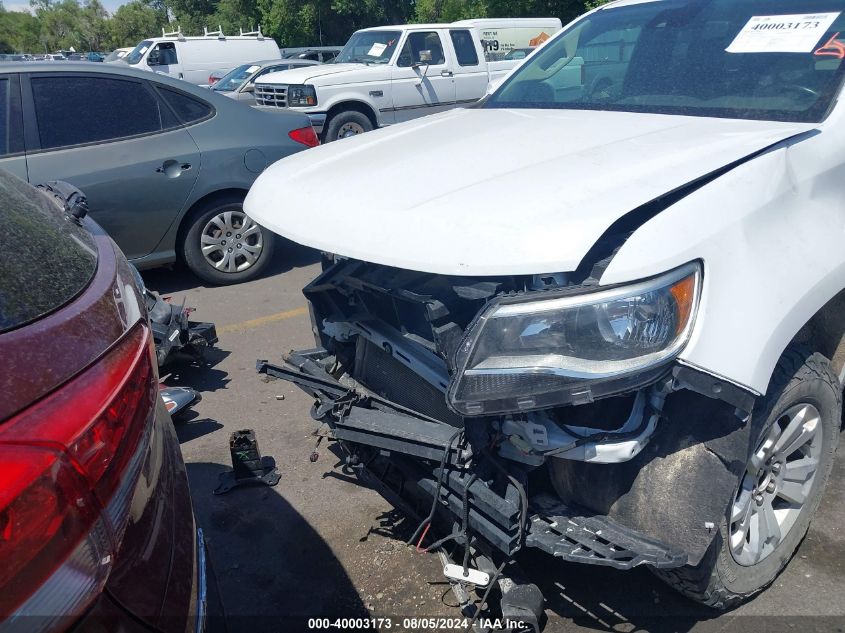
<point x="320" y="545"/>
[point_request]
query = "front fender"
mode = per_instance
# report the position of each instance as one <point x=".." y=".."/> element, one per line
<point x="677" y="490"/>
<point x="770" y="233"/>
<point x="363" y="96"/>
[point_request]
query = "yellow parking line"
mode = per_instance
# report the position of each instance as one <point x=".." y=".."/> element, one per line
<point x="261" y="321"/>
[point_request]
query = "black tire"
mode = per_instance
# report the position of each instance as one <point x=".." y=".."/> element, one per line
<point x="719" y="581"/>
<point x="191" y="244"/>
<point x="343" y="122"/>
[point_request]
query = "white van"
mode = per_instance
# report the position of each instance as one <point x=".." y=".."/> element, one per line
<point x="195" y="58"/>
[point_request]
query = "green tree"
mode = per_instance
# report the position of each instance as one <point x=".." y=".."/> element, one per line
<point x="235" y="15"/>
<point x="133" y="22"/>
<point x="290" y="22"/>
<point x="93" y="25"/>
<point x="61" y="23"/>
<point x="449" y="10"/>
<point x="19" y="31"/>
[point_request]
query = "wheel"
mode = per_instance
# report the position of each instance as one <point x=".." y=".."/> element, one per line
<point x="347" y="123"/>
<point x="780" y="489"/>
<point x="222" y="245"/>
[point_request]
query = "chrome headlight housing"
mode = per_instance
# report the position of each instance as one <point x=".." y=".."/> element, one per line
<point x="301" y="95"/>
<point x="522" y="354"/>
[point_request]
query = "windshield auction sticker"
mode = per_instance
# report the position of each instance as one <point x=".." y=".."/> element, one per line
<point x="782" y="33"/>
<point x="377" y="49"/>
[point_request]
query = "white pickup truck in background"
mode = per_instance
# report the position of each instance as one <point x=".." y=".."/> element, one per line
<point x="392" y="74"/>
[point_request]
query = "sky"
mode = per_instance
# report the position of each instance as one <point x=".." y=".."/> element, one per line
<point x="23" y="5"/>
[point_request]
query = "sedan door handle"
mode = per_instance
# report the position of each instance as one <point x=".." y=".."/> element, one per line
<point x="446" y="73"/>
<point x="172" y="168"/>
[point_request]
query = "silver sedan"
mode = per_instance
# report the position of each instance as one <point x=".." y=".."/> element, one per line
<point x="239" y="83"/>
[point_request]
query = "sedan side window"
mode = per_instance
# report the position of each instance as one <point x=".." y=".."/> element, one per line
<point x="5" y="111"/>
<point x="11" y="124"/>
<point x="188" y="109"/>
<point x="66" y="114"/>
<point x="418" y="42"/>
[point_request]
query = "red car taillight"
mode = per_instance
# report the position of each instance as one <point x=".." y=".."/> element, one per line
<point x="69" y="463"/>
<point x="305" y="135"/>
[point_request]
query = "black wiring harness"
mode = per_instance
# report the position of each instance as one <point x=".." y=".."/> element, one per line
<point x="464" y="535"/>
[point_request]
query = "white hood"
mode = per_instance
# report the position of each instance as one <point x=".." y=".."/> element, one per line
<point x="328" y="74"/>
<point x="493" y="192"/>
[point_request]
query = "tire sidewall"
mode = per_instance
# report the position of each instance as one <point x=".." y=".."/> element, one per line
<point x="809" y="388"/>
<point x="347" y="116"/>
<point x="192" y="253"/>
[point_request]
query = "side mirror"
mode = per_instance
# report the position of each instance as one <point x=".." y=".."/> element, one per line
<point x="425" y="59"/>
<point x="154" y="59"/>
<point x="248" y="88"/>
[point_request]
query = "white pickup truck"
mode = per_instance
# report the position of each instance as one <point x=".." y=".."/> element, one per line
<point x="625" y="344"/>
<point x="393" y="74"/>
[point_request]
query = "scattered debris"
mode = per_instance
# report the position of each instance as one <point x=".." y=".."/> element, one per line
<point x="247" y="463"/>
<point x="174" y="333"/>
<point x="178" y="399"/>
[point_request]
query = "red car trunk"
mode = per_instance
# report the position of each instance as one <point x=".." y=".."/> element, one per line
<point x="94" y="490"/>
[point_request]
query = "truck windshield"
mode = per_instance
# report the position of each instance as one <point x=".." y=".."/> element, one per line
<point x="135" y="55"/>
<point x="369" y="47"/>
<point x="777" y="60"/>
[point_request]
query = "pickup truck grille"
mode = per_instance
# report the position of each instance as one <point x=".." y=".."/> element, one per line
<point x="271" y="95"/>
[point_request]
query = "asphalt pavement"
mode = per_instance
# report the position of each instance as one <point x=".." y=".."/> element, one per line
<point x="321" y="546"/>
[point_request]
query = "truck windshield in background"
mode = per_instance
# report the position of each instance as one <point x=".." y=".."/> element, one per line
<point x="369" y="47"/>
<point x="137" y="53"/>
<point x="715" y="58"/>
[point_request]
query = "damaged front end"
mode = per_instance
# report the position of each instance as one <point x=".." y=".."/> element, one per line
<point x="539" y="411"/>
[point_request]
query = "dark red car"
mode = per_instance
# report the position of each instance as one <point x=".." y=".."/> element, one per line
<point x="97" y="530"/>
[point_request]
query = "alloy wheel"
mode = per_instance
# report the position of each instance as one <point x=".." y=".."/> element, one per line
<point x="231" y="242"/>
<point x="776" y="484"/>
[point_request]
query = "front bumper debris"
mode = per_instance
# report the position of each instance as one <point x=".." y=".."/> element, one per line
<point x="174" y="333"/>
<point x="579" y="537"/>
<point x="410" y="446"/>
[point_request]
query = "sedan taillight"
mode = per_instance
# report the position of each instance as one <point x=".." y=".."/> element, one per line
<point x="69" y="465"/>
<point x="305" y="135"/>
<point x="212" y="80"/>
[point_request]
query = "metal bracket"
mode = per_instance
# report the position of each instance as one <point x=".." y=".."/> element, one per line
<point x="227" y="480"/>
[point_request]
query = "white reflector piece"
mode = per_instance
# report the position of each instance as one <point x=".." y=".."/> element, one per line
<point x="473" y="576"/>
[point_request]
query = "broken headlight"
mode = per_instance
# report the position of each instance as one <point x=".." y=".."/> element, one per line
<point x="303" y="95"/>
<point x="527" y="353"/>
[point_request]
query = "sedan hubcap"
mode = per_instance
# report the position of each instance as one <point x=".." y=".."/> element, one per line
<point x="776" y="484"/>
<point x="231" y="241"/>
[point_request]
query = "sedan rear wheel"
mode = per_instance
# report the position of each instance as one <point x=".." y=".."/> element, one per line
<point x="231" y="241"/>
<point x="223" y="245"/>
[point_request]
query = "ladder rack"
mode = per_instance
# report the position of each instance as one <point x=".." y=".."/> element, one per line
<point x="177" y="33"/>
